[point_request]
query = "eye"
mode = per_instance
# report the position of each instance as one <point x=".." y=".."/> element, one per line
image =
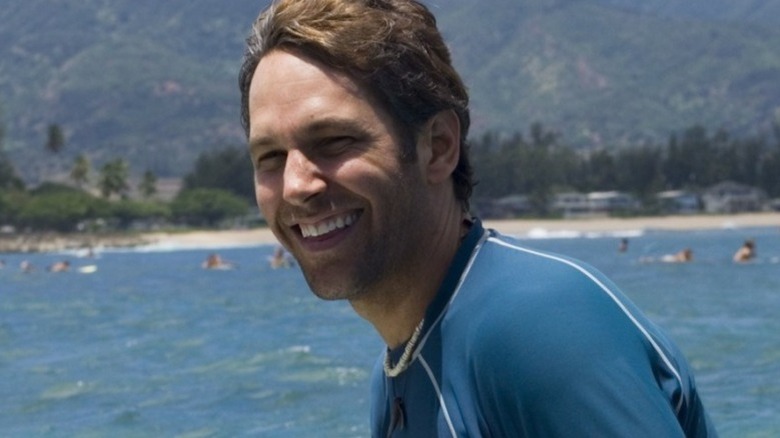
<point x="337" y="145"/>
<point x="270" y="161"/>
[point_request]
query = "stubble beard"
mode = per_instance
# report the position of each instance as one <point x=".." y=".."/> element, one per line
<point x="384" y="260"/>
<point x="374" y="265"/>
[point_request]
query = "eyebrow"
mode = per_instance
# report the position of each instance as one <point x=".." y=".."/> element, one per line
<point x="316" y="128"/>
<point x="258" y="142"/>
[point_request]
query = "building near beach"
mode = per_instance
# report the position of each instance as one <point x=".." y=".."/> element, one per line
<point x="679" y="202"/>
<point x="571" y="204"/>
<point x="732" y="197"/>
<point x="612" y="202"/>
<point x="575" y="204"/>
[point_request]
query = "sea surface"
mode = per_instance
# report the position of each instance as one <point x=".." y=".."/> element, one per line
<point x="151" y="345"/>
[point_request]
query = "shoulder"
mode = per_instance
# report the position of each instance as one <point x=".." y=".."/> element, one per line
<point x="555" y="335"/>
<point x="510" y="279"/>
<point x="544" y="312"/>
<point x="504" y="257"/>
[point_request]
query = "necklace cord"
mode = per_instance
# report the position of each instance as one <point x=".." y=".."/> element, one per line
<point x="405" y="360"/>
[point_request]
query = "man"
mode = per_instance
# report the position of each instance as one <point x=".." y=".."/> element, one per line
<point x="357" y="123"/>
<point x="746" y="252"/>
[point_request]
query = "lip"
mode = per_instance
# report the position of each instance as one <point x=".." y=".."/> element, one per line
<point x="326" y="233"/>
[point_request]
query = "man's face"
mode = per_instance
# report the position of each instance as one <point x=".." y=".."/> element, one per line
<point x="329" y="179"/>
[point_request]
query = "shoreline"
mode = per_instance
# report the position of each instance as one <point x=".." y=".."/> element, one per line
<point x="205" y="239"/>
<point x="523" y="227"/>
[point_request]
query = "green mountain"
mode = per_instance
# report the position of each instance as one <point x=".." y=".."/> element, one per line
<point x="615" y="72"/>
<point x="155" y="82"/>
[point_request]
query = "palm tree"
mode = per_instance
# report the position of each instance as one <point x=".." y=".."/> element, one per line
<point x="80" y="172"/>
<point x="55" y="139"/>
<point x="148" y="185"/>
<point x="113" y="178"/>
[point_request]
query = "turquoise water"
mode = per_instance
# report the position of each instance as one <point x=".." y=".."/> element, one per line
<point x="152" y="345"/>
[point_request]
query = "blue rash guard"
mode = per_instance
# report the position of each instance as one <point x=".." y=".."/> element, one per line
<point x="521" y="343"/>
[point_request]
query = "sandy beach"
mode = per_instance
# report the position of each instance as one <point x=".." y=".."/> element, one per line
<point x="517" y="227"/>
<point x="49" y="242"/>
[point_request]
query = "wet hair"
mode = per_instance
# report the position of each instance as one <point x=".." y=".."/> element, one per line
<point x="391" y="47"/>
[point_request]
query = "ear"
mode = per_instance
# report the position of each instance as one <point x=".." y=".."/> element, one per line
<point x="441" y="139"/>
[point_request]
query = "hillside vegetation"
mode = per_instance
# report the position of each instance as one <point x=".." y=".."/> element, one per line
<point x="155" y="82"/>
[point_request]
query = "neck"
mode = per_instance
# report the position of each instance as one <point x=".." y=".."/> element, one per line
<point x="397" y="308"/>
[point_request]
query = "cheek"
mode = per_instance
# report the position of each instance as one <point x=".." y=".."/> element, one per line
<point x="268" y="210"/>
<point x="265" y="198"/>
<point x="265" y="194"/>
<point x="265" y="184"/>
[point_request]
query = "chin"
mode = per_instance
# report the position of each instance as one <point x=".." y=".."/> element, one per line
<point x="332" y="292"/>
<point x="332" y="295"/>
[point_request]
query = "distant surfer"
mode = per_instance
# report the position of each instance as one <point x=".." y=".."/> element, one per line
<point x="280" y="259"/>
<point x="746" y="252"/>
<point x="623" y="246"/>
<point x="62" y="266"/>
<point x="683" y="256"/>
<point x="26" y="267"/>
<point x="214" y="261"/>
<point x="89" y="253"/>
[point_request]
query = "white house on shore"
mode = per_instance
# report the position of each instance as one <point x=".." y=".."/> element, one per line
<point x="571" y="204"/>
<point x="574" y="204"/>
<point x="612" y="201"/>
<point x="732" y="197"/>
<point x="679" y="202"/>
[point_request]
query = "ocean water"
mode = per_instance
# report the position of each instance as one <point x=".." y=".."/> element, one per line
<point x="151" y="345"/>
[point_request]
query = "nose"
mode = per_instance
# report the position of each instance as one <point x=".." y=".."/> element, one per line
<point x="303" y="179"/>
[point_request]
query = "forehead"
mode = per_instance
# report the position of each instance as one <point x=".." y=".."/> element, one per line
<point x="281" y="67"/>
<point x="288" y="88"/>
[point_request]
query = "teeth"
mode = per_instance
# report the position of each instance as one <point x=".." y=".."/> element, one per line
<point x="315" y="230"/>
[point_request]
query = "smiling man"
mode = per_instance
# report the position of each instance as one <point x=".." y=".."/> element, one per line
<point x="357" y="123"/>
<point x="331" y="181"/>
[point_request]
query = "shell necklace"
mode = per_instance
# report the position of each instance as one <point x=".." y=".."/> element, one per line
<point x="405" y="360"/>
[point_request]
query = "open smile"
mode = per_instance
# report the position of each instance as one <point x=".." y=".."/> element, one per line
<point x="323" y="228"/>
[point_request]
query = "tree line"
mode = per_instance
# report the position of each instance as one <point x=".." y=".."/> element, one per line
<point x="219" y="187"/>
<point x="217" y="190"/>
<point x="540" y="165"/>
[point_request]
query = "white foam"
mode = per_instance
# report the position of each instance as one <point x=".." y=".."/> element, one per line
<point x="173" y="247"/>
<point x="543" y="233"/>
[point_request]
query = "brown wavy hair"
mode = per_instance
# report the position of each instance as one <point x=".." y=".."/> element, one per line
<point x="392" y="47"/>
